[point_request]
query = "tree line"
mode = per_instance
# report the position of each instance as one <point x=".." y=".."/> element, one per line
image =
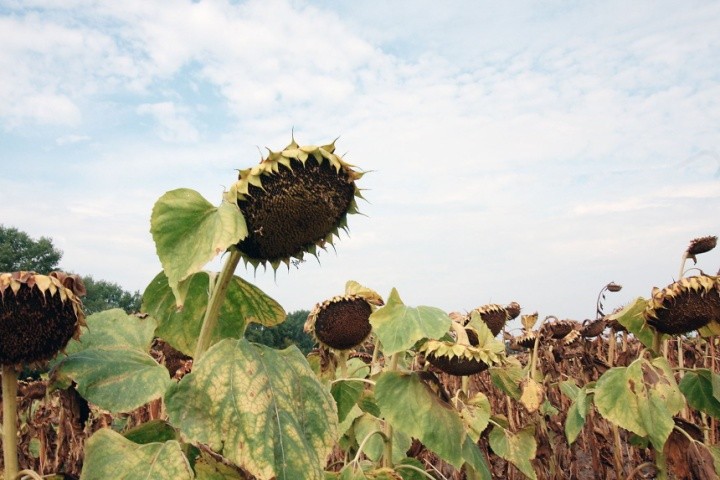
<point x="19" y="251"/>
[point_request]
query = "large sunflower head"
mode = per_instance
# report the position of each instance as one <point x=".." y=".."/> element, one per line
<point x="684" y="306"/>
<point x="39" y="314"/>
<point x="294" y="201"/>
<point x="465" y="350"/>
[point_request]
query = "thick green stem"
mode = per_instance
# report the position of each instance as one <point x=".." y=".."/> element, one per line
<point x="217" y="296"/>
<point x="342" y="363"/>
<point x="661" y="464"/>
<point x="9" y="397"/>
<point x="387" y="429"/>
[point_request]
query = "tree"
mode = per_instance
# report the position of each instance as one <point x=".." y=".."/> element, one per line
<point x="290" y="332"/>
<point x="102" y="295"/>
<point x="20" y="252"/>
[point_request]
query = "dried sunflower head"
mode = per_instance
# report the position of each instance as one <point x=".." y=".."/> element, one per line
<point x="471" y="350"/>
<point x="342" y="322"/>
<point x="294" y="201"/>
<point x="684" y="306"/>
<point x="700" y="245"/>
<point x="39" y="314"/>
<point x="495" y="316"/>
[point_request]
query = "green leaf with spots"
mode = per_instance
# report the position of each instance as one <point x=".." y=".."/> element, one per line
<point x="642" y="398"/>
<point x="698" y="388"/>
<point x="111" y="364"/>
<point x="244" y="303"/>
<point x="517" y="448"/>
<point x="189" y="232"/>
<point x="399" y="327"/>
<point x="110" y="455"/>
<point x="261" y="408"/>
<point x="475" y="413"/>
<point x="411" y="406"/>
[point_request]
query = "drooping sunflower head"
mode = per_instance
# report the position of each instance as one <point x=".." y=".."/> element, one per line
<point x="700" y="245"/>
<point x="39" y="314"/>
<point x="684" y="306"/>
<point x="294" y="201"/>
<point x="465" y="350"/>
<point x="342" y="322"/>
<point x="495" y="316"/>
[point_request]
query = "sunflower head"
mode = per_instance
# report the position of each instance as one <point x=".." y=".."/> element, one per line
<point x="39" y="314"/>
<point x="294" y="201"/>
<point x="465" y="350"/>
<point x="684" y="306"/>
<point x="700" y="245"/>
<point x="495" y="316"/>
<point x="342" y="322"/>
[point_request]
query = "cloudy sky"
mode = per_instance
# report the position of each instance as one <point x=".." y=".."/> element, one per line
<point x="519" y="151"/>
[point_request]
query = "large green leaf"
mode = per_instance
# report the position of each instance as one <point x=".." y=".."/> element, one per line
<point x="631" y="318"/>
<point x="698" y="386"/>
<point x="642" y="398"/>
<point x="110" y="455"/>
<point x="411" y="406"/>
<point x="111" y="364"/>
<point x="346" y="394"/>
<point x="507" y="378"/>
<point x="399" y="327"/>
<point x="244" y="303"/>
<point x="517" y="448"/>
<point x="261" y="408"/>
<point x="189" y="232"/>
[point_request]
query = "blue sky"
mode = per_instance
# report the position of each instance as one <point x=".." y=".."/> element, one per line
<point x="520" y="151"/>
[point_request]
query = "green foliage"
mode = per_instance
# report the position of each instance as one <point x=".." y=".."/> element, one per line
<point x="189" y="232"/>
<point x="243" y="303"/>
<point x="289" y="332"/>
<point x="411" y="406"/>
<point x="111" y="364"/>
<point x="102" y="295"/>
<point x="517" y="448"/>
<point x="701" y="388"/>
<point x="399" y="327"/>
<point x="20" y="252"/>
<point x="642" y="398"/>
<point x="110" y="455"/>
<point x="261" y="408"/>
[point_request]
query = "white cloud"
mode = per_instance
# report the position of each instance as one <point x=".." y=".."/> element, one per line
<point x="172" y="122"/>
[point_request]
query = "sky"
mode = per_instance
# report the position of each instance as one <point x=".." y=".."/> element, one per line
<point x="518" y="151"/>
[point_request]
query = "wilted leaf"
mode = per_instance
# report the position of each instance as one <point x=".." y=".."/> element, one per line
<point x="409" y="405"/>
<point x="244" y="303"/>
<point x="111" y="364"/>
<point x="399" y="327"/>
<point x="517" y="448"/>
<point x="189" y="232"/>
<point x="261" y="408"/>
<point x="475" y="413"/>
<point x="110" y="455"/>
<point x="623" y="396"/>
<point x="532" y="394"/>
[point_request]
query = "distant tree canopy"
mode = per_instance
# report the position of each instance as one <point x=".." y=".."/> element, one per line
<point x="102" y="295"/>
<point x="20" y="252"/>
<point x="290" y="332"/>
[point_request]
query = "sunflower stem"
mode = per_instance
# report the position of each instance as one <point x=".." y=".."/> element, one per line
<point x="9" y="396"/>
<point x="387" y="428"/>
<point x="217" y="296"/>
